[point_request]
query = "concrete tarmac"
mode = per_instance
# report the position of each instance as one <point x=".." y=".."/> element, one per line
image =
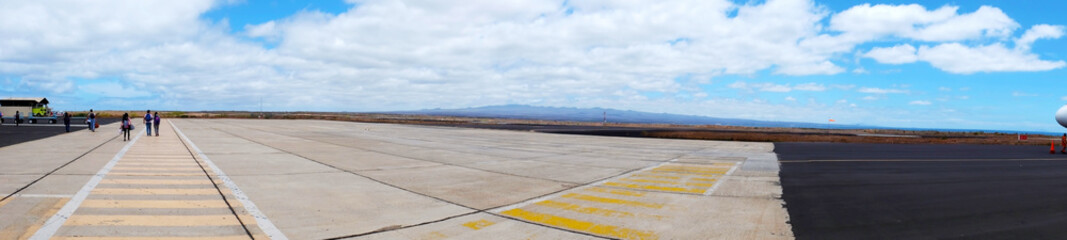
<point x="302" y="179"/>
<point x="892" y="191"/>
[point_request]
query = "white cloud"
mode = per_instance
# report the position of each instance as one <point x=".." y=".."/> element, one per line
<point x="771" y="87"/>
<point x="113" y="89"/>
<point x="1064" y="98"/>
<point x="957" y="58"/>
<point x="944" y="89"/>
<point x="881" y="91"/>
<point x="872" y="98"/>
<point x="867" y="22"/>
<point x="791" y="99"/>
<point x="1040" y="31"/>
<point x="900" y="54"/>
<point x="920" y="103"/>
<point x="393" y="54"/>
<point x="811" y="87"/>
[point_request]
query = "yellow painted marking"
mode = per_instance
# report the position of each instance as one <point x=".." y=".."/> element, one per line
<point x="153" y="220"/>
<point x="655" y="188"/>
<point x="95" y="203"/>
<point x="646" y="175"/>
<point x="124" y="163"/>
<point x="578" y="225"/>
<point x="37" y="211"/>
<point x="141" y="174"/>
<point x="706" y="185"/>
<point x="616" y="191"/>
<point x="649" y="181"/>
<point x="592" y="198"/>
<point x="184" y="168"/>
<point x="155" y="191"/>
<point x="584" y="210"/>
<point x="478" y="224"/>
<point x="691" y="170"/>
<point x="704" y="179"/>
<point x="155" y="181"/>
<point x="235" y="237"/>
<point x="435" y="236"/>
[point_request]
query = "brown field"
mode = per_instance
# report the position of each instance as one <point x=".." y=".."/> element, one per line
<point x="704" y="132"/>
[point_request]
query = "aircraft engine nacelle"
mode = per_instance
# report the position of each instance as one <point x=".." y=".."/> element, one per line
<point x="1061" y="116"/>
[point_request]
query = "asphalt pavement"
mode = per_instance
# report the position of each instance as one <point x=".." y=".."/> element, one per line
<point x="886" y="191"/>
<point x="11" y="135"/>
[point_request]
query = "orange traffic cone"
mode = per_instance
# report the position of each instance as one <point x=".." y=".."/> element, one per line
<point x="1052" y="148"/>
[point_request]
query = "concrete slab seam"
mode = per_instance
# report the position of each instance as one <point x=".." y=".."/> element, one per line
<point x="719" y="183"/>
<point x="261" y="220"/>
<point x="394" y="155"/>
<point x="55" y="170"/>
<point x="52" y="225"/>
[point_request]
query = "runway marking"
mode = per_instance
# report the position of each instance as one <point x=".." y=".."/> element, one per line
<point x="584" y="210"/>
<point x="177" y="169"/>
<point x="155" y="181"/>
<point x="592" y="198"/>
<point x="653" y="187"/>
<point x="615" y="191"/>
<point x="53" y="223"/>
<point x="161" y="174"/>
<point x="649" y="181"/>
<point x="476" y="225"/>
<point x="261" y="219"/>
<point x="153" y="220"/>
<point x="704" y="185"/>
<point x="718" y="184"/>
<point x="578" y="225"/>
<point x="235" y="237"/>
<point x="156" y="191"/>
<point x="704" y="179"/>
<point x="94" y="203"/>
<point x="649" y="175"/>
<point x="55" y="207"/>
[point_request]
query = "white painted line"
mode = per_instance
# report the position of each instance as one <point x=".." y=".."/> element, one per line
<point x="595" y="184"/>
<point x="53" y="224"/>
<point x="723" y="178"/>
<point x="264" y="223"/>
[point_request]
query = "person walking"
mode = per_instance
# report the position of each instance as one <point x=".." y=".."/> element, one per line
<point x="126" y="124"/>
<point x="156" y="123"/>
<point x="92" y="121"/>
<point x="148" y="122"/>
<point x="66" y="120"/>
<point x="1063" y="142"/>
<point x="1" y="118"/>
<point x="18" y="118"/>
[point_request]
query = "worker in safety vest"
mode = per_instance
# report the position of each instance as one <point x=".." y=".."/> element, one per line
<point x="1063" y="141"/>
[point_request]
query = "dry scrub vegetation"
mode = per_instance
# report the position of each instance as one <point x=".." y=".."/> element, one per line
<point x="716" y="132"/>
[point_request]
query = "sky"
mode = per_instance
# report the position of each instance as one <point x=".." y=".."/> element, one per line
<point x="997" y="65"/>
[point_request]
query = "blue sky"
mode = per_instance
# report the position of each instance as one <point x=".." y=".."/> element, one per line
<point x="922" y="64"/>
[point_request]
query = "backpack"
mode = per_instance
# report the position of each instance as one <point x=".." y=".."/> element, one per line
<point x="125" y="124"/>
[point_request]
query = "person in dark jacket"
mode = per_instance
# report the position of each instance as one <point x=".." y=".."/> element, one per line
<point x="18" y="118"/>
<point x="156" y="123"/>
<point x="126" y="123"/>
<point x="66" y="120"/>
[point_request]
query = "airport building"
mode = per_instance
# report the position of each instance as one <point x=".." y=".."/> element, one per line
<point x="25" y="106"/>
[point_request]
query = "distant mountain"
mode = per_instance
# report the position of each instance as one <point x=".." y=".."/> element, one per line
<point x="613" y="115"/>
